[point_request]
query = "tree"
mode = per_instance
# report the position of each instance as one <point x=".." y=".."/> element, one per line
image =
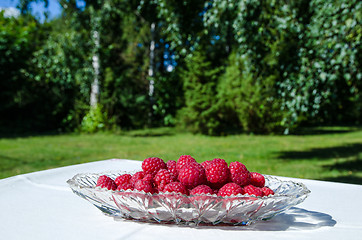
<point x="20" y="96"/>
<point x="117" y="37"/>
<point x="201" y="113"/>
<point x="264" y="34"/>
<point x="330" y="72"/>
<point x="63" y="66"/>
<point x="249" y="101"/>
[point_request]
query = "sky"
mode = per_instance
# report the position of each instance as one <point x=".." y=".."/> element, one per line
<point x="37" y="8"/>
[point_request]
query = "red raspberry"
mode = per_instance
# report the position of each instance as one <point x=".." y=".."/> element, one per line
<point x="125" y="186"/>
<point x="198" y="166"/>
<point x="217" y="173"/>
<point x="153" y="165"/>
<point x="183" y="160"/>
<point x="106" y="182"/>
<point x="252" y="190"/>
<point x="239" y="173"/>
<point x="148" y="177"/>
<point x="201" y="189"/>
<point x="137" y="176"/>
<point x="230" y="189"/>
<point x="171" y="167"/>
<point x="205" y="163"/>
<point x="221" y="161"/>
<point x="257" y="179"/>
<point x="162" y="178"/>
<point x="267" y="191"/>
<point x="144" y="185"/>
<point x="191" y="175"/>
<point x="122" y="179"/>
<point x="175" y="187"/>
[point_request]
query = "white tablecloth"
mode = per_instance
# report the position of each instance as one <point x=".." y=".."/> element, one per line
<point x="40" y="205"/>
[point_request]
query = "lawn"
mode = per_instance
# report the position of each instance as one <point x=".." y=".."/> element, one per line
<point x="332" y="154"/>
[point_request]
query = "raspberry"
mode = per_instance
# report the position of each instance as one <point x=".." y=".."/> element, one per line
<point x="122" y="179"/>
<point x="175" y="187"/>
<point x="153" y="165"/>
<point x="162" y="178"/>
<point x="217" y="173"/>
<point x="106" y="182"/>
<point x="199" y="167"/>
<point x="201" y="189"/>
<point x="230" y="189"/>
<point x="267" y="191"/>
<point x="171" y="167"/>
<point x="239" y="173"/>
<point x="191" y="175"/>
<point x="183" y="160"/>
<point x="125" y="186"/>
<point x="252" y="190"/>
<point x="257" y="179"/>
<point x="148" y="177"/>
<point x="144" y="185"/>
<point x="221" y="161"/>
<point x="137" y="176"/>
<point x="205" y="163"/>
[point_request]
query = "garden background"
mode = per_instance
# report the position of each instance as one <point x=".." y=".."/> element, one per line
<point x="274" y="84"/>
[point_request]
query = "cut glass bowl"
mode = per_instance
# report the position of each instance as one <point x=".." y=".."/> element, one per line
<point x="190" y="210"/>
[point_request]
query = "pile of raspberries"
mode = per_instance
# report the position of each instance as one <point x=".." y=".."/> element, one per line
<point x="188" y="177"/>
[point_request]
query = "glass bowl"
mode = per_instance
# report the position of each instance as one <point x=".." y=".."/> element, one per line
<point x="189" y="210"/>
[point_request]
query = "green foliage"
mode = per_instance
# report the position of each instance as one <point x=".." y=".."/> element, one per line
<point x="331" y="61"/>
<point x="250" y="98"/>
<point x="263" y="42"/>
<point x="21" y="98"/>
<point x="200" y="114"/>
<point x="256" y="66"/>
<point x="95" y="120"/>
<point x="63" y="66"/>
<point x="310" y="48"/>
<point x="181" y="23"/>
<point x="17" y="37"/>
<point x="124" y="53"/>
<point x="168" y="98"/>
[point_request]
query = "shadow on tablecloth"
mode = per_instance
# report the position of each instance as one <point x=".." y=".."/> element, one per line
<point x="293" y="219"/>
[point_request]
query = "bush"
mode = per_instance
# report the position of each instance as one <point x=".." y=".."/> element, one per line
<point x="95" y="120"/>
<point x="168" y="98"/>
<point x="20" y="108"/>
<point x="332" y="61"/>
<point x="250" y="97"/>
<point x="201" y="113"/>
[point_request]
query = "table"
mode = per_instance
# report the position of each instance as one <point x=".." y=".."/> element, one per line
<point x="40" y="205"/>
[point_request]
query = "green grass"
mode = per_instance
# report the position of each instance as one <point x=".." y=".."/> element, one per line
<point x="333" y="154"/>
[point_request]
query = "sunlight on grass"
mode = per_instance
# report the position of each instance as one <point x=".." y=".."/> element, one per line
<point x="329" y="155"/>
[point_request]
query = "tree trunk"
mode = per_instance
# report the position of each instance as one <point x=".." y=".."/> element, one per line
<point x="152" y="61"/>
<point x="95" y="63"/>
<point x="151" y="71"/>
